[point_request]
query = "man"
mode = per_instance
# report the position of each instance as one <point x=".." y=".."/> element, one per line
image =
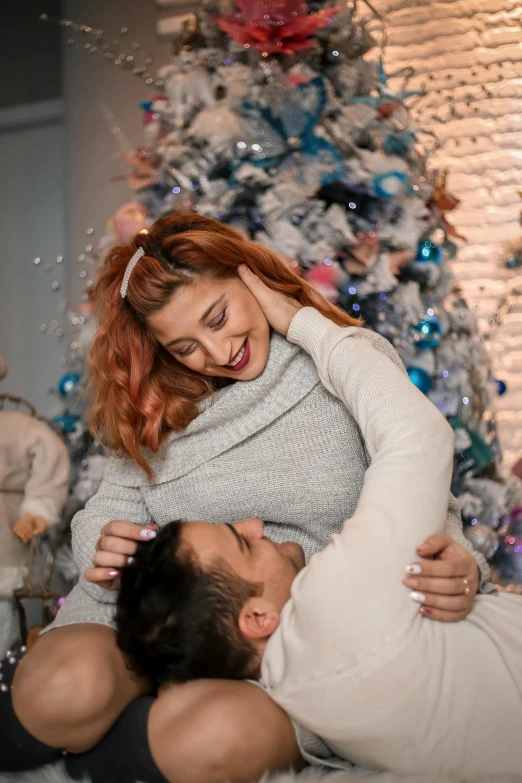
<point x="339" y="644"/>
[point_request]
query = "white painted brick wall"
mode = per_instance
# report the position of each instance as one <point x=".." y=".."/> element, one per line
<point x="469" y="53"/>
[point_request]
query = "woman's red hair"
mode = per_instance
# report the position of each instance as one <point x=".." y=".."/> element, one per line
<point x="139" y="392"/>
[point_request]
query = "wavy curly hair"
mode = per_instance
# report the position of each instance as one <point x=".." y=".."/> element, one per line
<point x="138" y="392"/>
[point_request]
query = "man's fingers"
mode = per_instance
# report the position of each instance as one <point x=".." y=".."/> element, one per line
<point x="252" y="281"/>
<point x="246" y="274"/>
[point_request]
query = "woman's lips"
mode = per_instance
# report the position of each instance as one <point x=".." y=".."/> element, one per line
<point x="244" y="360"/>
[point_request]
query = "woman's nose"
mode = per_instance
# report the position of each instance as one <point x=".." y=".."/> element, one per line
<point x="252" y="528"/>
<point x="218" y="350"/>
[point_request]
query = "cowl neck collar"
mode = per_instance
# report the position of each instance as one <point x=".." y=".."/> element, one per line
<point x="229" y="417"/>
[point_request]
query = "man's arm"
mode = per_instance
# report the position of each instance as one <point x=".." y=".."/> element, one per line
<point x="353" y="588"/>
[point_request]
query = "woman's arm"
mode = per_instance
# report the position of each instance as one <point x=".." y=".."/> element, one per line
<point x="453" y="527"/>
<point x="111" y="502"/>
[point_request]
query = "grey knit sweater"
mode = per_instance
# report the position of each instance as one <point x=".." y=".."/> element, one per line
<point x="279" y="448"/>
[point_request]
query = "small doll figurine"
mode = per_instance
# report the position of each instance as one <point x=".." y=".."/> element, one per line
<point x="34" y="481"/>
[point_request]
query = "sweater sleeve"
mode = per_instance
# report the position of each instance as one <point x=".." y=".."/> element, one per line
<point x="355" y="584"/>
<point x="404" y="434"/>
<point x="453" y="527"/>
<point x="314" y="333"/>
<point x="110" y="502"/>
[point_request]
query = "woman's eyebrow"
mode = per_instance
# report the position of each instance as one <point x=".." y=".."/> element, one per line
<point x="203" y="318"/>
<point x="209" y="309"/>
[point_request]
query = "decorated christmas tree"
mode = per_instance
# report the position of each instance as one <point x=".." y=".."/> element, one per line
<point x="278" y="118"/>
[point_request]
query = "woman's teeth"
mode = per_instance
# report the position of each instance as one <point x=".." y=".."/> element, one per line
<point x="239" y="356"/>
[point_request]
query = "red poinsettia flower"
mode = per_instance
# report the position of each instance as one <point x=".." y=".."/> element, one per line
<point x="282" y="26"/>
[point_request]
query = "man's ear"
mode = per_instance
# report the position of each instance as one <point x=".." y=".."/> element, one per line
<point x="258" y="619"/>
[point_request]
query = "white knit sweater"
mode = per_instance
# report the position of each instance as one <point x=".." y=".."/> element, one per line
<point x="353" y="660"/>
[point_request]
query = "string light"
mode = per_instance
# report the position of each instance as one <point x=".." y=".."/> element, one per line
<point x="111" y="52"/>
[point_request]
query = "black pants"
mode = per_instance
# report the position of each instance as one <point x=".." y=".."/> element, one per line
<point x="122" y="756"/>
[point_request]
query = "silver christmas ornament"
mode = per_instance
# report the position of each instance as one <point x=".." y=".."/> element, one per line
<point x="483" y="538"/>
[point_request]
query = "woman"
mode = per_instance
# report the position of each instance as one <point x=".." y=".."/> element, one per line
<point x="177" y="329"/>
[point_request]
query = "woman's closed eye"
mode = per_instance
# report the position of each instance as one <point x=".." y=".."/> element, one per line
<point x="219" y="320"/>
<point x="216" y="323"/>
<point x="186" y="351"/>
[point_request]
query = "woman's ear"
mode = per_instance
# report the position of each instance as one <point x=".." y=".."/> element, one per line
<point x="258" y="619"/>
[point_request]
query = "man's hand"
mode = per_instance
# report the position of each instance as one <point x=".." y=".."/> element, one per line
<point x="278" y="308"/>
<point x="447" y="584"/>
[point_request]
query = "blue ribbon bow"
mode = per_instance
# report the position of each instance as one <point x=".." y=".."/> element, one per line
<point x="282" y="134"/>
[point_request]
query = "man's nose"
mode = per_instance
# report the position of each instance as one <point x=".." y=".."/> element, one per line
<point x="252" y="528"/>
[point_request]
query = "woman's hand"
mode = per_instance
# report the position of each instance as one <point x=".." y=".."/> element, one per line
<point x="278" y="308"/>
<point x="446" y="585"/>
<point x="117" y="543"/>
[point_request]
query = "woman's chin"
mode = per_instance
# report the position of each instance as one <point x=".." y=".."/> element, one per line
<point x="255" y="368"/>
<point x="250" y="373"/>
<point x="257" y="363"/>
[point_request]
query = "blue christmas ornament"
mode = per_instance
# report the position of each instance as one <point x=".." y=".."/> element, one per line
<point x="400" y="144"/>
<point x="67" y="421"/>
<point x="514" y="259"/>
<point x="420" y="378"/>
<point x="68" y="384"/>
<point x="429" y="333"/>
<point x="428" y="251"/>
<point x="390" y="184"/>
<point x="501" y="387"/>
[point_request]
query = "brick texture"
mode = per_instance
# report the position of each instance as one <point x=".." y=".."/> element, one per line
<point x="468" y="55"/>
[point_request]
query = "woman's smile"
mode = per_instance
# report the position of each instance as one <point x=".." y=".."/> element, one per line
<point x="241" y="359"/>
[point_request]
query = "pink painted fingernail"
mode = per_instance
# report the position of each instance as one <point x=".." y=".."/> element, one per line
<point x="418" y="597"/>
<point x="148" y="533"/>
<point x="425" y="611"/>
<point x="415" y="568"/>
<point x="112" y="573"/>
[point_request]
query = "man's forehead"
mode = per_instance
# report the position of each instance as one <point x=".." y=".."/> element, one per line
<point x="205" y="538"/>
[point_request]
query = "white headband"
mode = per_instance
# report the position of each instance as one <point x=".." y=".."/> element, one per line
<point x="130" y="266"/>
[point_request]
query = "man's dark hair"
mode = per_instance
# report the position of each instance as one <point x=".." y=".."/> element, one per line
<point x="177" y="621"/>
